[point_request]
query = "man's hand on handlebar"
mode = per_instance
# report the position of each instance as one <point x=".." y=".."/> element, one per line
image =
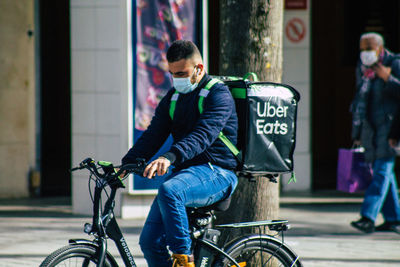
<point x="159" y="166"/>
<point x="136" y="167"/>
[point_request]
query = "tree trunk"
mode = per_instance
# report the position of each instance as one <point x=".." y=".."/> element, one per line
<point x="251" y="40"/>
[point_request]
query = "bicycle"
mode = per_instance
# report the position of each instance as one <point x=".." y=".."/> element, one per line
<point x="245" y="250"/>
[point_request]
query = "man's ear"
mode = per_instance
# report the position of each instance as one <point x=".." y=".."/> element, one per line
<point x="200" y="68"/>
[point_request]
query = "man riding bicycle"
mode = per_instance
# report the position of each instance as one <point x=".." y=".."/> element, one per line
<point x="204" y="165"/>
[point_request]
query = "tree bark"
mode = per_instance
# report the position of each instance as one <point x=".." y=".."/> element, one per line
<point x="251" y="40"/>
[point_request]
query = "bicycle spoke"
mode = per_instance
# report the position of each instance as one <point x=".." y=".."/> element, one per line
<point x="271" y="261"/>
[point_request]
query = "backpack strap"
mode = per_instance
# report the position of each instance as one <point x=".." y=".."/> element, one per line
<point x="252" y="74"/>
<point x="204" y="93"/>
<point x="172" y="106"/>
<point x="229" y="144"/>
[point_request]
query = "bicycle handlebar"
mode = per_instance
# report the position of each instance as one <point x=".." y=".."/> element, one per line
<point x="137" y="168"/>
<point x="88" y="163"/>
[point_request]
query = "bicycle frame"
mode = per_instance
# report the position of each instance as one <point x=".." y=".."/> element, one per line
<point x="107" y="224"/>
<point x="104" y="225"/>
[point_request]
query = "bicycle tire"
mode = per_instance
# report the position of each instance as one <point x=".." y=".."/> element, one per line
<point x="75" y="255"/>
<point x="270" y="252"/>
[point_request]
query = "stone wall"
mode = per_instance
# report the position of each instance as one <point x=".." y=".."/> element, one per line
<point x="17" y="96"/>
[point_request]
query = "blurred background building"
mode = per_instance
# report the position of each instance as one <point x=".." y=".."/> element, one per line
<point x="69" y="68"/>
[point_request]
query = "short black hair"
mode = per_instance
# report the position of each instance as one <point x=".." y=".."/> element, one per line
<point x="182" y="49"/>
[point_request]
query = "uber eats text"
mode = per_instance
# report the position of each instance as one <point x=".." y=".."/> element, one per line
<point x="267" y="110"/>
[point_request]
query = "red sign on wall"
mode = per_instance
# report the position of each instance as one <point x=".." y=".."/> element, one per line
<point x="295" y="4"/>
<point x="295" y="30"/>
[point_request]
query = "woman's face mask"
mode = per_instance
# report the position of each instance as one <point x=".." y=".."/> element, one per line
<point x="184" y="85"/>
<point x="369" y="57"/>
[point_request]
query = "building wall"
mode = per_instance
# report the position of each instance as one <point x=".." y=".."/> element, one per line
<point x="17" y="97"/>
<point x="296" y="72"/>
<point x="100" y="87"/>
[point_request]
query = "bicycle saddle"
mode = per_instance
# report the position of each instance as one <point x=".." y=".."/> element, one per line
<point x="221" y="205"/>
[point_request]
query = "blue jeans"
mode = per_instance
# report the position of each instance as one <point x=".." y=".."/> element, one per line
<point x="382" y="194"/>
<point x="167" y="221"/>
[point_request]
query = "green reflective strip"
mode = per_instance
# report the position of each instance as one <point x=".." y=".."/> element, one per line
<point x="211" y="83"/>
<point x="172" y="107"/>
<point x="233" y="78"/>
<point x="252" y="74"/>
<point x="239" y="93"/>
<point x="228" y="143"/>
<point x="201" y="99"/>
<point x="104" y="163"/>
<point x="207" y="87"/>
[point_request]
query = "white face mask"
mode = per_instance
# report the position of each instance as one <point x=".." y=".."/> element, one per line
<point x="184" y="85"/>
<point x="368" y="58"/>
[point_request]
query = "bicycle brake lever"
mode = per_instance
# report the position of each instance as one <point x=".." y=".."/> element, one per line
<point x="87" y="161"/>
<point x="75" y="169"/>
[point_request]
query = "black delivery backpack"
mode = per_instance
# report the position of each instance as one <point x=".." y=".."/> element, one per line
<point x="267" y="114"/>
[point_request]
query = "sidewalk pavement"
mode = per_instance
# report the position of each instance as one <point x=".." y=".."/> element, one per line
<point x="30" y="229"/>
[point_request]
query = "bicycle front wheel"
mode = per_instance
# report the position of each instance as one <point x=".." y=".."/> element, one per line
<point x="75" y="255"/>
<point x="265" y="251"/>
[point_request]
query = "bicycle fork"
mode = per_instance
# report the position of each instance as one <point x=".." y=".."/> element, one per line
<point x="102" y="251"/>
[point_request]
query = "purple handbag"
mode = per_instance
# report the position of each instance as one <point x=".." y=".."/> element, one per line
<point x="353" y="173"/>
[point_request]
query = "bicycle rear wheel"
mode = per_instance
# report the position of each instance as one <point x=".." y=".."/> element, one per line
<point x="256" y="251"/>
<point x="75" y="255"/>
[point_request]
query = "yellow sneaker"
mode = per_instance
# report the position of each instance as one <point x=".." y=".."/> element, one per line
<point x="182" y="260"/>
